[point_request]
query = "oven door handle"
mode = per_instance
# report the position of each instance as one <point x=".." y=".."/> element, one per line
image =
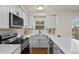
<point x="24" y="46"/>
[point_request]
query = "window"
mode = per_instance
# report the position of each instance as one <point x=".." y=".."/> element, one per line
<point x="75" y="27"/>
<point x="39" y="24"/>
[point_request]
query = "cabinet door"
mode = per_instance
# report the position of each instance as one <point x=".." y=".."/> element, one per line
<point x="34" y="42"/>
<point x="43" y="42"/>
<point x="25" y="21"/>
<point x="25" y="18"/>
<point x="16" y="10"/>
<point x="13" y="9"/>
<point x="57" y="50"/>
<point x="51" y="21"/>
<point x="4" y="16"/>
<point x="30" y="25"/>
<point x="39" y="42"/>
<point x="19" y="11"/>
<point x="17" y="51"/>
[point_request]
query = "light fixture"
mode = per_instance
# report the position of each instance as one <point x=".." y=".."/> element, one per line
<point x="40" y="7"/>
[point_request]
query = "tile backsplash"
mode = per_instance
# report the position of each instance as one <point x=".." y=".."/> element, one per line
<point x="22" y="31"/>
<point x="19" y="31"/>
<point x="6" y="31"/>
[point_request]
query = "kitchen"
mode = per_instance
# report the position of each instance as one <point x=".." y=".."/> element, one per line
<point x="37" y="29"/>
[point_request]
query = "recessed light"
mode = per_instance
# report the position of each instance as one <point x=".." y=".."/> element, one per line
<point x="41" y="7"/>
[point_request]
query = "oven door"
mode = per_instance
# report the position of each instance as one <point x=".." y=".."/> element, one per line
<point x="24" y="44"/>
<point x="5" y="42"/>
<point x="15" y="41"/>
<point x="9" y="41"/>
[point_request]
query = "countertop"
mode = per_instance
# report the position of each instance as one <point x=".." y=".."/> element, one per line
<point x="64" y="43"/>
<point x="8" y="48"/>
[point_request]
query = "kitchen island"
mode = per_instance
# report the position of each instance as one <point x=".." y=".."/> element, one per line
<point x="10" y="48"/>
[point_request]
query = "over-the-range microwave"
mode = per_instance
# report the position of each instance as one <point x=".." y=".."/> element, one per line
<point x="15" y="21"/>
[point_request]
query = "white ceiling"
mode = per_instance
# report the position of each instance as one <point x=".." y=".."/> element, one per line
<point x="52" y="8"/>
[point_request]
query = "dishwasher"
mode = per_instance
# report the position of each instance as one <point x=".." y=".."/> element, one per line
<point x="51" y="46"/>
<point x="25" y="46"/>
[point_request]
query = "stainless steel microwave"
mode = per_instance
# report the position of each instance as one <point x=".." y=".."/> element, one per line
<point x="15" y="21"/>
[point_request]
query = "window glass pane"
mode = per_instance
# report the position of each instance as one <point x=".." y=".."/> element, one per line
<point x="75" y="27"/>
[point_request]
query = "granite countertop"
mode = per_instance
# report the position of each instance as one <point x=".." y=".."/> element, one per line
<point x="8" y="48"/>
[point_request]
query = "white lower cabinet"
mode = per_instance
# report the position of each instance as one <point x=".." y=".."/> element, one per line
<point x="17" y="51"/>
<point x="43" y="42"/>
<point x="38" y="42"/>
<point x="57" y="50"/>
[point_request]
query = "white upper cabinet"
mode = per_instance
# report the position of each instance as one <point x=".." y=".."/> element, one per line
<point x="4" y="16"/>
<point x="13" y="9"/>
<point x="25" y="17"/>
<point x="17" y="10"/>
<point x="30" y="21"/>
<point x="51" y="21"/>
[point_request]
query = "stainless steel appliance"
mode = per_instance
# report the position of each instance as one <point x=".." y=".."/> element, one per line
<point x="12" y="38"/>
<point x="15" y="21"/>
<point x="9" y="38"/>
<point x="25" y="46"/>
<point x="51" y="46"/>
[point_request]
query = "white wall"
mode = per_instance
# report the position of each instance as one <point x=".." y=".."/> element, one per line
<point x="64" y="23"/>
<point x="19" y="31"/>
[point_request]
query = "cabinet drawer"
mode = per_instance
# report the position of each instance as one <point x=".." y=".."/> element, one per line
<point x="17" y="51"/>
<point x="57" y="50"/>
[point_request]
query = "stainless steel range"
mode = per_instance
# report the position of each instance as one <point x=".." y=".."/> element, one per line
<point x="12" y="38"/>
<point x="9" y="38"/>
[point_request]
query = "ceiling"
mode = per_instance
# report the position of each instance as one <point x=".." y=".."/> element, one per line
<point x="51" y="8"/>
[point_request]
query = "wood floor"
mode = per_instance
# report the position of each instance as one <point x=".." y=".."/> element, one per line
<point x="39" y="51"/>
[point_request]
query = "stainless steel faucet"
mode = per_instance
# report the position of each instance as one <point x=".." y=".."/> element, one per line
<point x="39" y="32"/>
